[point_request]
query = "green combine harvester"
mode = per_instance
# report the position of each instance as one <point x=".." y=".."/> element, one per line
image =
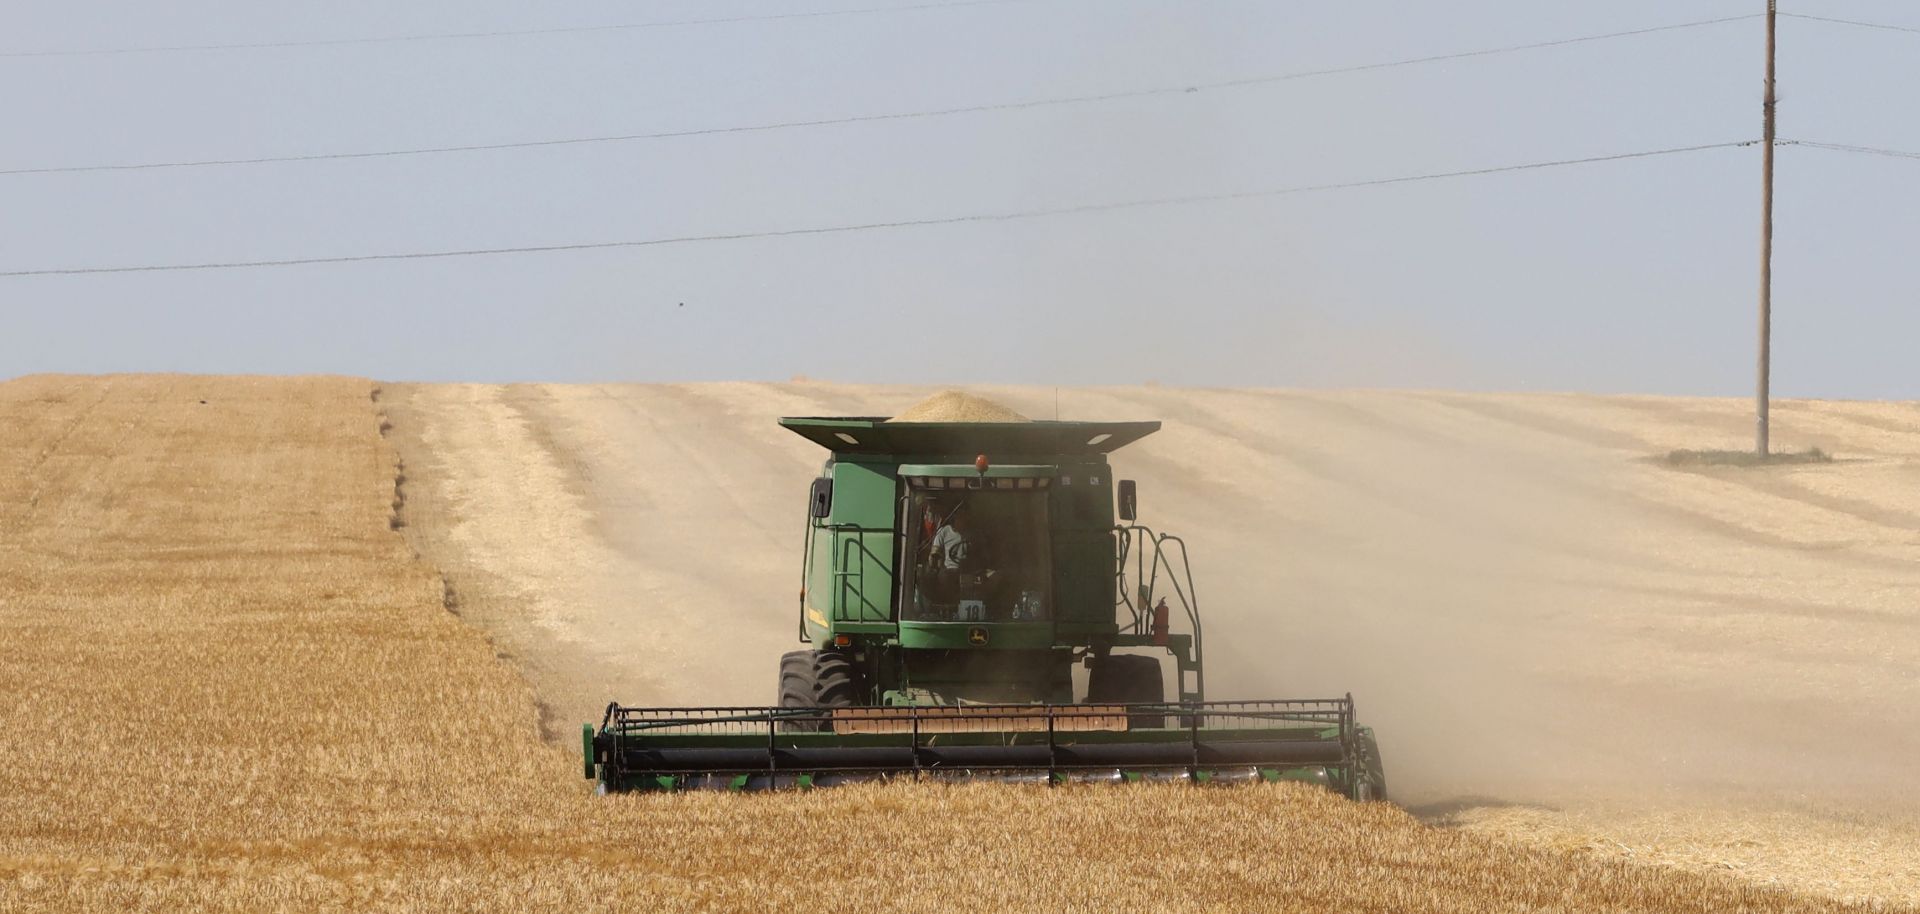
<point x="955" y="576"/>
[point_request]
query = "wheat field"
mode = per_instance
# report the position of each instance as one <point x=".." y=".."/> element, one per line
<point x="232" y="686"/>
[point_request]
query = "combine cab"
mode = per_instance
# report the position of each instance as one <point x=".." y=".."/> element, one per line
<point x="956" y="574"/>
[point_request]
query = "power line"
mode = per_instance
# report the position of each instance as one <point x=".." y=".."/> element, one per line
<point x="1055" y="101"/>
<point x="1855" y="22"/>
<point x="1843" y="147"/>
<point x="1007" y="216"/>
<point x="504" y="33"/>
<point x="1486" y="52"/>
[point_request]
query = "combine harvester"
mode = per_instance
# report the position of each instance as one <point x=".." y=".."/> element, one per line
<point x="955" y="575"/>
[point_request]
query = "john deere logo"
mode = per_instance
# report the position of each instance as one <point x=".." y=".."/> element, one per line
<point x="976" y="635"/>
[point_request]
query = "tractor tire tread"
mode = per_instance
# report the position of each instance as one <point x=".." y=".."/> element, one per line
<point x="834" y="683"/>
<point x="797" y="687"/>
<point x="1128" y="679"/>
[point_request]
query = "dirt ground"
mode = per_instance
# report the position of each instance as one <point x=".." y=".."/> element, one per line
<point x="1558" y="638"/>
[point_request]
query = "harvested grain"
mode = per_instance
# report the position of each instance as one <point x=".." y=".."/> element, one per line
<point x="958" y="406"/>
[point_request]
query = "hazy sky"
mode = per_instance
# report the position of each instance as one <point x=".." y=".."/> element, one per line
<point x="1624" y="276"/>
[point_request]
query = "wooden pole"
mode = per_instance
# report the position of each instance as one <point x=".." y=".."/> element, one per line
<point x="1765" y="366"/>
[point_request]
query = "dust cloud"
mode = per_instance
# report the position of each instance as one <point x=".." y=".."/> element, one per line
<point x="1525" y="609"/>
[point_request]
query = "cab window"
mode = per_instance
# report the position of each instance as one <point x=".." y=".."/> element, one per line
<point x="977" y="551"/>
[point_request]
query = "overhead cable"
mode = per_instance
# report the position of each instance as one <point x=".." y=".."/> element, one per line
<point x="505" y="33"/>
<point x="1843" y="147"/>
<point x="1005" y="216"/>
<point x="1855" y="22"/>
<point x="1055" y="101"/>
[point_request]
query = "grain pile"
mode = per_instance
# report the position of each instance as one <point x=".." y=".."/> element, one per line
<point x="232" y="687"/>
<point x="958" y="406"/>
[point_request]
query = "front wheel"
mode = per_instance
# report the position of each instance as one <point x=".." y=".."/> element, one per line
<point x="796" y="688"/>
<point x="1128" y="679"/>
<point x="816" y="679"/>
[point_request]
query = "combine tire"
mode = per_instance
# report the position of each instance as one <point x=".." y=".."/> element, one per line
<point x="834" y="685"/>
<point x="796" y="686"/>
<point x="816" y="679"/>
<point x="1128" y="679"/>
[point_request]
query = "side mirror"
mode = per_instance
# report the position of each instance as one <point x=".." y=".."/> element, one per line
<point x="820" y="498"/>
<point x="1129" y="501"/>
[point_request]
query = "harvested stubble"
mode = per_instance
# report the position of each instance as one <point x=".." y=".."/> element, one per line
<point x="232" y="687"/>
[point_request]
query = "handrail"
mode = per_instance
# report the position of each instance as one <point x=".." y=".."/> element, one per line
<point x="837" y="573"/>
<point x="849" y="581"/>
<point x="1186" y="593"/>
<point x="806" y="570"/>
<point x="856" y="580"/>
<point x="1125" y="551"/>
<point x="1190" y="599"/>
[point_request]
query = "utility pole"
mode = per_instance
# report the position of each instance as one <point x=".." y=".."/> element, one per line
<point x="1766" y="252"/>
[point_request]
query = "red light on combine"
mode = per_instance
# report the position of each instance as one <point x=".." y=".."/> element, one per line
<point x="842" y="640"/>
<point x="980" y="463"/>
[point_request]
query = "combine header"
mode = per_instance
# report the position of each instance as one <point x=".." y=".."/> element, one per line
<point x="955" y="576"/>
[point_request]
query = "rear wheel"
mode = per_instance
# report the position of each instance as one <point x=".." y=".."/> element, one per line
<point x="1128" y="679"/>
